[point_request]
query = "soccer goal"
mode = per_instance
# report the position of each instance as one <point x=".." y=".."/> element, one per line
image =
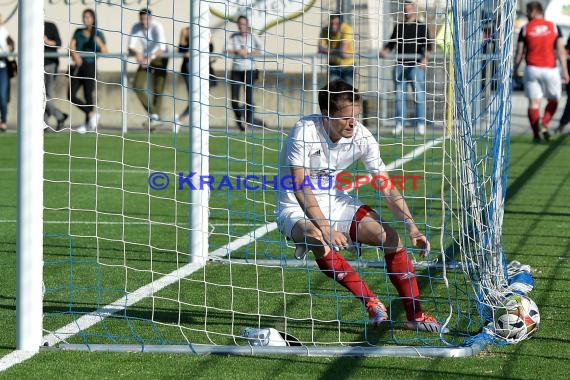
<point x="160" y="235"/>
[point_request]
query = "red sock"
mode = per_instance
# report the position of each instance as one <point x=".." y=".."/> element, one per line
<point x="335" y="266"/>
<point x="401" y="272"/>
<point x="549" y="111"/>
<point x="534" y="118"/>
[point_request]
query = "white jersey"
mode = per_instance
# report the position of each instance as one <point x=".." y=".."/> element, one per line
<point x="250" y="42"/>
<point x="152" y="39"/>
<point x="309" y="146"/>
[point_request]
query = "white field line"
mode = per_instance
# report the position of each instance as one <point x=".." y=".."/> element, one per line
<point x="148" y="290"/>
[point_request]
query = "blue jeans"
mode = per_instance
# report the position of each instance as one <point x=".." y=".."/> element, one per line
<point x="416" y="76"/>
<point x="346" y="73"/>
<point x="4" y="88"/>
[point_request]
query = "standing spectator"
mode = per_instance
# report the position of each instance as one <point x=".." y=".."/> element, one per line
<point x="541" y="41"/>
<point x="244" y="45"/>
<point x="413" y="43"/>
<point x="6" y="46"/>
<point x="152" y="60"/>
<point x="184" y="49"/>
<point x="565" y="119"/>
<point x="52" y="42"/>
<point x="325" y="221"/>
<point x="85" y="44"/>
<point x="337" y="42"/>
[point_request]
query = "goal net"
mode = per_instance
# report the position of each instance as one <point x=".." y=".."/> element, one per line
<point x="160" y="233"/>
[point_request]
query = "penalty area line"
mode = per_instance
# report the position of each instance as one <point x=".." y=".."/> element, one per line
<point x="88" y="320"/>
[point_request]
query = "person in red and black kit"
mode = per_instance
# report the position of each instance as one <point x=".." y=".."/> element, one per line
<point x="542" y="41"/>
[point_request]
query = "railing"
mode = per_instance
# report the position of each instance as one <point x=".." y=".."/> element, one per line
<point x="374" y="74"/>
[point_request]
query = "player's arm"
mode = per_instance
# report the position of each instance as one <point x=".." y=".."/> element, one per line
<point x="561" y="52"/>
<point x="397" y="205"/>
<point x="100" y="41"/>
<point x="390" y="44"/>
<point x="161" y="47"/>
<point x="77" y="60"/>
<point x="520" y="50"/>
<point x="428" y="46"/>
<point x="312" y="210"/>
<point x="257" y="48"/>
<point x="132" y="45"/>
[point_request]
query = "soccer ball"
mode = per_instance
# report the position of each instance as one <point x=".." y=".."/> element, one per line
<point x="518" y="319"/>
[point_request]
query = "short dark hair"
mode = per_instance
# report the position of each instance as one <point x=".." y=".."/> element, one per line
<point x="333" y="93"/>
<point x="243" y="17"/>
<point x="332" y="16"/>
<point x="145" y="11"/>
<point x="534" y="6"/>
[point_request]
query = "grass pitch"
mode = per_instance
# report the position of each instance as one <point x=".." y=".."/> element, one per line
<point x="537" y="218"/>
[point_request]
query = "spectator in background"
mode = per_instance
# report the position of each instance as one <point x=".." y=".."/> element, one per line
<point x="337" y="42"/>
<point x="85" y="44"/>
<point x="541" y="41"/>
<point x="410" y="38"/>
<point x="565" y="119"/>
<point x="244" y="45"/>
<point x="184" y="49"/>
<point x="152" y="60"/>
<point x="52" y="41"/>
<point x="6" y="46"/>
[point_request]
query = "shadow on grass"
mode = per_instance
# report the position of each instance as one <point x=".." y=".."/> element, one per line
<point x="533" y="168"/>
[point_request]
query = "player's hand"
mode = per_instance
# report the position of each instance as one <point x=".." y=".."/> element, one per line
<point x="565" y="78"/>
<point x="335" y="240"/>
<point x="420" y="241"/>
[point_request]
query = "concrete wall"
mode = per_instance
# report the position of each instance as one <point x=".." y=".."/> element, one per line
<point x="281" y="98"/>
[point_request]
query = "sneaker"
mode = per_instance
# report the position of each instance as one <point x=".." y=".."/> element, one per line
<point x="545" y="134"/>
<point x="397" y="129"/>
<point x="421" y="129"/>
<point x="151" y="122"/>
<point x="82" y="129"/>
<point x="376" y="311"/>
<point x="536" y="140"/>
<point x="93" y="121"/>
<point x="426" y="323"/>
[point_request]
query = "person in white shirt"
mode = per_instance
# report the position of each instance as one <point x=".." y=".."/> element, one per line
<point x="323" y="218"/>
<point x="147" y="42"/>
<point x="244" y="45"/>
